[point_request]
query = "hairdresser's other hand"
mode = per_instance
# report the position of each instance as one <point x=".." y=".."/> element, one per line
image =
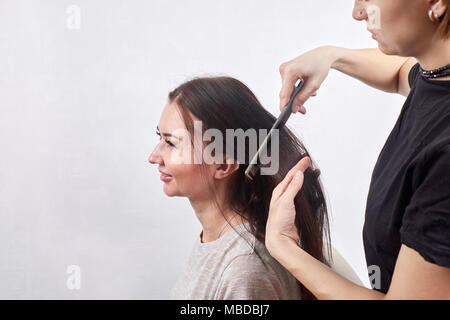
<point x="281" y="221"/>
<point x="312" y="67"/>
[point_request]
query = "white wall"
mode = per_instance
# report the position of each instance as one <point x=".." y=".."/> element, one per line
<point x="78" y="111"/>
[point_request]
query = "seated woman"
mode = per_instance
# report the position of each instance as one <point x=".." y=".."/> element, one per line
<point x="229" y="259"/>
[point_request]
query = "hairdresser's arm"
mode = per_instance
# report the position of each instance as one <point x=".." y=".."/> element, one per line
<point x="371" y="66"/>
<point x="413" y="278"/>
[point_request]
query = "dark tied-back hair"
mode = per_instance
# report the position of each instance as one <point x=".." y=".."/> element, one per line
<point x="225" y="103"/>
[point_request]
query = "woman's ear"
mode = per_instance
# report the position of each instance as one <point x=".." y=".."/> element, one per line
<point x="439" y="7"/>
<point x="226" y="169"/>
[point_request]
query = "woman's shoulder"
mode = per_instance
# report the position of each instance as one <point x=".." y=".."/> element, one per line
<point x="247" y="253"/>
<point x="239" y="241"/>
<point x="256" y="275"/>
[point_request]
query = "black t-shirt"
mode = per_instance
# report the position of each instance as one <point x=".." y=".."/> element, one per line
<point x="409" y="195"/>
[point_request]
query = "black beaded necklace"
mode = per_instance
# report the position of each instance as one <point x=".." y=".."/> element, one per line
<point x="436" y="73"/>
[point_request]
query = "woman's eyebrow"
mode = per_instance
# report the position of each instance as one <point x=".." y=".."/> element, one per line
<point x="166" y="134"/>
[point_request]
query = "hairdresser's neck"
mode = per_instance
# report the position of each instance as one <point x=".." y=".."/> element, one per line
<point x="212" y="219"/>
<point x="436" y="55"/>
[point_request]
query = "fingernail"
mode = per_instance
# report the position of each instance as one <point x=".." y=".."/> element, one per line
<point x="297" y="175"/>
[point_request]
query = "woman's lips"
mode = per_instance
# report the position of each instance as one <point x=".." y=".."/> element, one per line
<point x="165" y="177"/>
<point x="373" y="33"/>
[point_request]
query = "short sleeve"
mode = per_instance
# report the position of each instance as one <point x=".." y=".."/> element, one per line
<point x="245" y="279"/>
<point x="426" y="221"/>
<point x="413" y="73"/>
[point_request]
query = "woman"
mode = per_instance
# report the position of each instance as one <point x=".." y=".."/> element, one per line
<point x="229" y="260"/>
<point x="407" y="223"/>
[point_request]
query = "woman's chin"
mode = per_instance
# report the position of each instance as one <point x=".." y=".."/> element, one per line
<point x="386" y="49"/>
<point x="170" y="192"/>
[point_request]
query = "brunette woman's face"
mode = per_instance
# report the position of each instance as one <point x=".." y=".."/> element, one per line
<point x="174" y="156"/>
<point x="401" y="27"/>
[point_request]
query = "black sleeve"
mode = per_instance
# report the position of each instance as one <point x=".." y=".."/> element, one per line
<point x="426" y="222"/>
<point x="413" y="73"/>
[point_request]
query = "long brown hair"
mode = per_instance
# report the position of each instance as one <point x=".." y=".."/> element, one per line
<point x="225" y="103"/>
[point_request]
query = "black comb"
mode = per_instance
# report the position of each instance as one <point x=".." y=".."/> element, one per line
<point x="253" y="168"/>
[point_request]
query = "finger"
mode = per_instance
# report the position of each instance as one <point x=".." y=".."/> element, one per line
<point x="302" y="110"/>
<point x="302" y="165"/>
<point x="288" y="85"/>
<point x="305" y="94"/>
<point x="293" y="187"/>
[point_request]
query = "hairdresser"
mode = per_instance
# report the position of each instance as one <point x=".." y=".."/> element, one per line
<point x="407" y="220"/>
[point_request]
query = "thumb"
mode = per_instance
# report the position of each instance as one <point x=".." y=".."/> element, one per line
<point x="294" y="187"/>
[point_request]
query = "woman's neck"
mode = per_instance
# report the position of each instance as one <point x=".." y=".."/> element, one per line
<point x="212" y="219"/>
<point x="436" y="55"/>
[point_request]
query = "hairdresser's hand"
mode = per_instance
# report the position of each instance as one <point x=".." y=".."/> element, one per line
<point x="312" y="67"/>
<point x="281" y="221"/>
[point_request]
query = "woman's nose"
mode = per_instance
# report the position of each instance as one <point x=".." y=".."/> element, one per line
<point x="155" y="156"/>
<point x="359" y="10"/>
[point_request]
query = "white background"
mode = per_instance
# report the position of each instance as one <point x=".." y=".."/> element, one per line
<point x="78" y="112"/>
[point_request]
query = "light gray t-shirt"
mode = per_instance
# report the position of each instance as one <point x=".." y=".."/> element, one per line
<point x="229" y="269"/>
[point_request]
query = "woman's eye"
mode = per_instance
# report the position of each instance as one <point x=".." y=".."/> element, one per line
<point x="170" y="143"/>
